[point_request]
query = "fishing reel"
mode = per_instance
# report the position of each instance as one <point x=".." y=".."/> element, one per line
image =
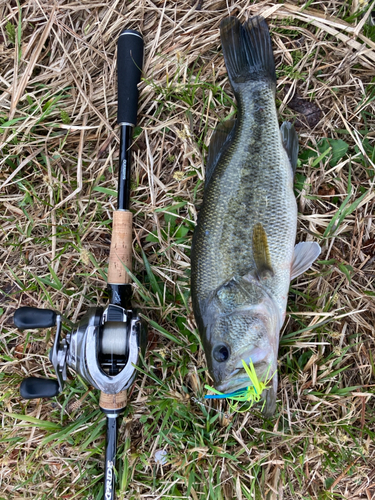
<point x="103" y="348"/>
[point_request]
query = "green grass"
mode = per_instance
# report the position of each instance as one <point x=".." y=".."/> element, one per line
<point x="319" y="444"/>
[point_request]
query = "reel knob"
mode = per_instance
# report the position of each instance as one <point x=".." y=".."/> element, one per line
<point x="33" y="388"/>
<point x="32" y="317"/>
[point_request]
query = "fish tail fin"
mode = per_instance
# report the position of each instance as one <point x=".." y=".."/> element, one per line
<point x="247" y="50"/>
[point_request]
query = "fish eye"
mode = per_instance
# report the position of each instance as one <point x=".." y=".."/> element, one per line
<point x="221" y="353"/>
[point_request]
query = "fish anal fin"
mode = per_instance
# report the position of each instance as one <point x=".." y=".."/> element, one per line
<point x="290" y="141"/>
<point x="261" y="252"/>
<point x="305" y="253"/>
<point x="220" y="142"/>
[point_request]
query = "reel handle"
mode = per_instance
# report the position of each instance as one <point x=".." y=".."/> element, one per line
<point x="33" y="388"/>
<point x="32" y="317"/>
<point x="129" y="68"/>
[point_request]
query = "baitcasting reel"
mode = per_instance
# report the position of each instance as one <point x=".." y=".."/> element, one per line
<point x="103" y="349"/>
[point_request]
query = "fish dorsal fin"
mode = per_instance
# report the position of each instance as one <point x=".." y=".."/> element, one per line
<point x="290" y="141"/>
<point x="305" y="253"/>
<point x="220" y="141"/>
<point x="261" y="252"/>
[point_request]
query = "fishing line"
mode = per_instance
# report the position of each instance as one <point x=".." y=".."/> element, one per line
<point x="195" y="400"/>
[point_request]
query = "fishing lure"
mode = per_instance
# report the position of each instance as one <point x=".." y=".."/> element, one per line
<point x="250" y="394"/>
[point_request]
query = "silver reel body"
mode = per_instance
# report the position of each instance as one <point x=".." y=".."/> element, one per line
<point x="103" y="348"/>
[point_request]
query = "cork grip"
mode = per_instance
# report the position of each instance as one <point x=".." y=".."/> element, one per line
<point x="113" y="401"/>
<point x="120" y="253"/>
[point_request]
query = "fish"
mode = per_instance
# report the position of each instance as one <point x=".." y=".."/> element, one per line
<point x="243" y="254"/>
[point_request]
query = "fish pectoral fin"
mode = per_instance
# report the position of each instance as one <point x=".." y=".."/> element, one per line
<point x="290" y="141"/>
<point x="220" y="141"/>
<point x="305" y="253"/>
<point x="261" y="252"/>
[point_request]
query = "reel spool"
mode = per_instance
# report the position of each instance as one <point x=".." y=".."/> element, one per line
<point x="113" y="339"/>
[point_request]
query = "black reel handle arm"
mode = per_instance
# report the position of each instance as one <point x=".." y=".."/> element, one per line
<point x="33" y="387"/>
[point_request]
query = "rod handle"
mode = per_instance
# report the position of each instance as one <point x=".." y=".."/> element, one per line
<point x="120" y="253"/>
<point x="33" y="388"/>
<point x="32" y="317"/>
<point x="129" y="69"/>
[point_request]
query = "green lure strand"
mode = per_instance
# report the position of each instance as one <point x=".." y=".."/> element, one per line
<point x="251" y="394"/>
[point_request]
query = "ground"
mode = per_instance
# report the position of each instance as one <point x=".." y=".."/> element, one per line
<point x="58" y="180"/>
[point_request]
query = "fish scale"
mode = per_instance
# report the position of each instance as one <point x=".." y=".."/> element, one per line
<point x="249" y="185"/>
<point x="243" y="253"/>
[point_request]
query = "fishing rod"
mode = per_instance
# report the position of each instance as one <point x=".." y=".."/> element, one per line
<point x="104" y="347"/>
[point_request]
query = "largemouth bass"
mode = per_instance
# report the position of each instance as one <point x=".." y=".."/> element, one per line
<point x="243" y="254"/>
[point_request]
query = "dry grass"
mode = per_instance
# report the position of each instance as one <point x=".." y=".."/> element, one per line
<point x="59" y="145"/>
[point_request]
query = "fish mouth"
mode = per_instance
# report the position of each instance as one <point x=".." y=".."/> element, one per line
<point x="239" y="379"/>
<point x="235" y="384"/>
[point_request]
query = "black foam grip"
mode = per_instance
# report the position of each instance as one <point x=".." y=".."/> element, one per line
<point x="129" y="69"/>
<point x="32" y="317"/>
<point x="33" y="387"/>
